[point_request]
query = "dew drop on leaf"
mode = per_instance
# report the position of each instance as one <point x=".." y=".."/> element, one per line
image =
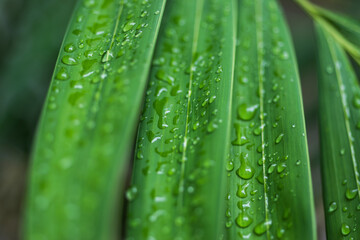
<point x="212" y="126"/>
<point x="279" y="138"/>
<point x="69" y="48"/>
<point x="243" y="220"/>
<point x="246" y="171"/>
<point x="246" y="112"/>
<point x="62" y="74"/>
<point x="230" y="166"/>
<point x="68" y="60"/>
<point x="332" y="207"/>
<point x="342" y="152"/>
<point x="351" y="194"/>
<point x="329" y="69"/>
<point x="271" y="168"/>
<point x="128" y="26"/>
<point x="280" y="232"/>
<point x="52" y="106"/>
<point x="356" y="101"/>
<point x="143" y="14"/>
<point x="281" y="167"/>
<point x="261" y="227"/>
<point x="228" y="224"/>
<point x="131" y="193"/>
<point x="345" y="229"/>
<point x="241" y="192"/>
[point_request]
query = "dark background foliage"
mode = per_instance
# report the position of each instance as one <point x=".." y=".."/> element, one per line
<point x="31" y="32"/>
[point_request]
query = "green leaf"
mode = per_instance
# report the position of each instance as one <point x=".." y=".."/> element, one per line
<point x="88" y="121"/>
<point x="269" y="183"/>
<point x="348" y="27"/>
<point x="339" y="97"/>
<point x="178" y="183"/>
<point x="344" y="29"/>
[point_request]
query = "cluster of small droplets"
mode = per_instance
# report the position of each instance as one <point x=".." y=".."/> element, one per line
<point x="252" y="162"/>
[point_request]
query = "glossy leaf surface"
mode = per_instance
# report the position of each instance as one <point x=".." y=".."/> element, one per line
<point x="177" y="187"/>
<point x="269" y="184"/>
<point x="339" y="97"/>
<point x="88" y="122"/>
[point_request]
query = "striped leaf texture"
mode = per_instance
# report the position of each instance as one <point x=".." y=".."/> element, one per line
<point x="90" y="115"/>
<point x="269" y="192"/>
<point x="345" y="30"/>
<point x="339" y="98"/>
<point x="178" y="179"/>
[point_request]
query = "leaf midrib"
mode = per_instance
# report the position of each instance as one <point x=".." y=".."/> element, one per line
<point x="198" y="9"/>
<point x="260" y="41"/>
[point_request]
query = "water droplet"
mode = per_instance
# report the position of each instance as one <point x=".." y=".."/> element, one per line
<point x="62" y="74"/>
<point x="212" y="126"/>
<point x="163" y="76"/>
<point x="52" y="106"/>
<point x="329" y="69"/>
<point x="160" y="108"/>
<point x="139" y="154"/>
<point x="271" y="168"/>
<point x="128" y="26"/>
<point x="280" y="232"/>
<point x="298" y="162"/>
<point x="247" y="113"/>
<point x="356" y="101"/>
<point x="276" y="98"/>
<point x="342" y="151"/>
<point x="345" y="229"/>
<point x="332" y="207"/>
<point x="284" y="55"/>
<point x="230" y="166"/>
<point x="89" y="3"/>
<point x="196" y="125"/>
<point x="241" y="192"/>
<point x="241" y="138"/>
<point x="69" y="48"/>
<point x="107" y="56"/>
<point x="228" y="224"/>
<point x="279" y="138"/>
<point x="351" y="194"/>
<point x="243" y="220"/>
<point x="171" y="171"/>
<point x="68" y="60"/>
<point x="131" y="193"/>
<point x="281" y="167"/>
<point x="143" y="14"/>
<point x="246" y="171"/>
<point x="261" y="227"/>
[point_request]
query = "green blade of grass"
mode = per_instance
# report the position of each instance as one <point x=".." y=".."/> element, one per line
<point x="88" y="121"/>
<point x="177" y="184"/>
<point x="345" y="25"/>
<point x="269" y="183"/>
<point x="339" y="98"/>
<point x="345" y="30"/>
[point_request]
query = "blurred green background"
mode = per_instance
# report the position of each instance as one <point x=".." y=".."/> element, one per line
<point x="31" y="32"/>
